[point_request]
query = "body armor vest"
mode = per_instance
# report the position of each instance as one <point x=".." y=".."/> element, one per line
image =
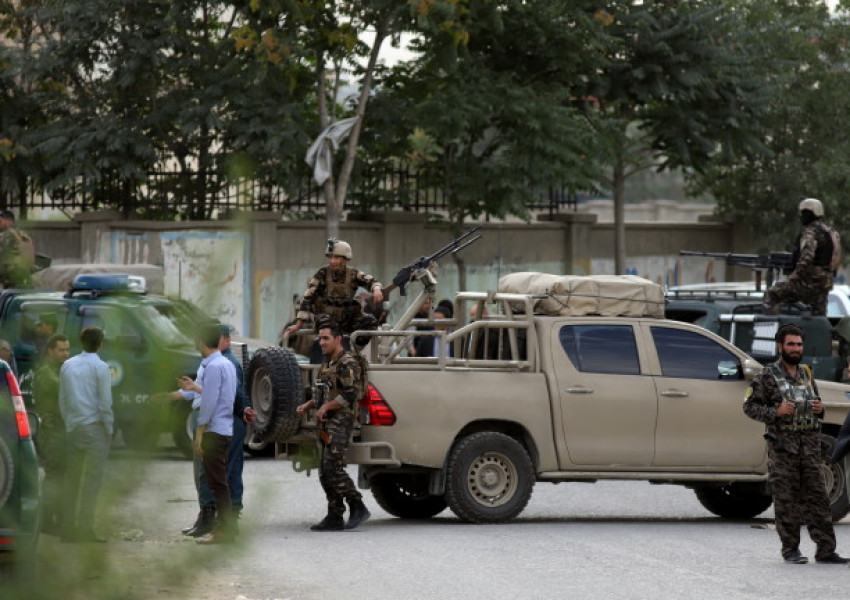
<point x="338" y="296"/>
<point x="801" y="395"/>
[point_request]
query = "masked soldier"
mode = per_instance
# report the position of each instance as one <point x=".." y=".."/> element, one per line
<point x="814" y="265"/>
<point x="339" y="387"/>
<point x="785" y="397"/>
<point x="331" y="292"/>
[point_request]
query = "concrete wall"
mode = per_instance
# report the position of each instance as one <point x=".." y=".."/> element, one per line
<point x="246" y="271"/>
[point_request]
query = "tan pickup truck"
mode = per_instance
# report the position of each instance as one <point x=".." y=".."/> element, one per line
<point x="523" y="398"/>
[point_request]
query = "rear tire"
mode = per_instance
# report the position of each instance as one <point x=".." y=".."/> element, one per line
<point x="733" y="501"/>
<point x="405" y="495"/>
<point x="489" y="478"/>
<point x="274" y="390"/>
<point x="181" y="430"/>
<point x="835" y="478"/>
<point x="7" y="472"/>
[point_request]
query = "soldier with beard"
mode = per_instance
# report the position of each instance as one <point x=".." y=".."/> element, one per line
<point x="331" y="292"/>
<point x="785" y="397"/>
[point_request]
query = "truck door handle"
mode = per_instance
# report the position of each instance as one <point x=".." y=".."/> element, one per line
<point x="675" y="393"/>
<point x="579" y="390"/>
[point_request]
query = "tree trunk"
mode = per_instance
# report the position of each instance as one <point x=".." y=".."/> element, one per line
<point x="619" y="189"/>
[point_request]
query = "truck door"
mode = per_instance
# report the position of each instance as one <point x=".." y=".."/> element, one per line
<point x="701" y="387"/>
<point x="607" y="405"/>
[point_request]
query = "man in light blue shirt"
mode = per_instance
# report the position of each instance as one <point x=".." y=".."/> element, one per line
<point x="85" y="402"/>
<point x="215" y="427"/>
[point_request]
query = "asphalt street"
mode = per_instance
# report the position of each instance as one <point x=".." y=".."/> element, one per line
<point x="604" y="540"/>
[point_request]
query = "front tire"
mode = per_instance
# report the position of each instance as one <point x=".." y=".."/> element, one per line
<point x="489" y="478"/>
<point x="181" y="431"/>
<point x="835" y="479"/>
<point x="733" y="501"/>
<point x="405" y="495"/>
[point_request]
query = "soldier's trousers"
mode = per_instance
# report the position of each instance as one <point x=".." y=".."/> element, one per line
<point x="335" y="481"/>
<point x="810" y="288"/>
<point x="799" y="497"/>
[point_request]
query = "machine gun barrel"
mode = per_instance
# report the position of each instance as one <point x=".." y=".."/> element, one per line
<point x="773" y="262"/>
<point x="405" y="274"/>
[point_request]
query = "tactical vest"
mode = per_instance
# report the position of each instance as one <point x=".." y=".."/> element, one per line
<point x="338" y="296"/>
<point x="802" y="396"/>
<point x="327" y="376"/>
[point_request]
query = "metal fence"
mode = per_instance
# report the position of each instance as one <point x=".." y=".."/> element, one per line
<point x="212" y="194"/>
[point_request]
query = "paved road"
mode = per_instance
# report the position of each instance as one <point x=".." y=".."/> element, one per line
<point x="604" y="540"/>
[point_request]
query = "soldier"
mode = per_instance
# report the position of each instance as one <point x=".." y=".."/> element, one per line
<point x="811" y="279"/>
<point x="785" y="397"/>
<point x="16" y="253"/>
<point x="51" y="436"/>
<point x="341" y="386"/>
<point x="331" y="292"/>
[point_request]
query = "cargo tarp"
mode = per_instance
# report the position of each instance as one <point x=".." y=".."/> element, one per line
<point x="575" y="295"/>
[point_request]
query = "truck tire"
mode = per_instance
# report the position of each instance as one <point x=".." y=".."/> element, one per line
<point x="181" y="428"/>
<point x="835" y="478"/>
<point x="274" y="390"/>
<point x="489" y="478"/>
<point x="406" y="496"/>
<point x="7" y="473"/>
<point x="733" y="501"/>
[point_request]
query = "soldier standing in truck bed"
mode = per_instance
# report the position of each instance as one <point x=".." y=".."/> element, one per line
<point x="815" y="261"/>
<point x="331" y="292"/>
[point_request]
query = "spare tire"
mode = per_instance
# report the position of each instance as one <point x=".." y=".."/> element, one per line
<point x="274" y="388"/>
<point x="7" y="472"/>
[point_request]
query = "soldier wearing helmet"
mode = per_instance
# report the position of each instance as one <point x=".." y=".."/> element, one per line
<point x="331" y="291"/>
<point x="814" y="264"/>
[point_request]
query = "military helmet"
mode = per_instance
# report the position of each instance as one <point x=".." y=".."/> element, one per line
<point x="812" y="204"/>
<point x="338" y="248"/>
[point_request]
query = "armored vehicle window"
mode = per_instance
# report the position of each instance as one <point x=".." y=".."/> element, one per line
<point x="115" y="325"/>
<point x="601" y="348"/>
<point x="688" y="354"/>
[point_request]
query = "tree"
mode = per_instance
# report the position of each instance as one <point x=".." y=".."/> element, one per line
<point x="807" y="136"/>
<point x="680" y="88"/>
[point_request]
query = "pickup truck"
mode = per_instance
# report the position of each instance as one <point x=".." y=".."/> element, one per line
<point x="526" y="398"/>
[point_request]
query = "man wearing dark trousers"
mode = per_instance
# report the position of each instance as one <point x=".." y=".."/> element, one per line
<point x="340" y="379"/>
<point x="215" y="427"/>
<point x="785" y="397"/>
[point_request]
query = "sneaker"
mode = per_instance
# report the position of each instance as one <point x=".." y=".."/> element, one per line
<point x="216" y="537"/>
<point x="796" y="558"/>
<point x="833" y="558"/>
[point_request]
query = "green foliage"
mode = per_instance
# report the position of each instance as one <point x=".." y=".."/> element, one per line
<point x="806" y="135"/>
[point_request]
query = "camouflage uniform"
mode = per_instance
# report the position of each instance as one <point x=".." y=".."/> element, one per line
<point x="794" y="459"/>
<point x="332" y="292"/>
<point x="343" y="378"/>
<point x="812" y="278"/>
<point x="50" y="438"/>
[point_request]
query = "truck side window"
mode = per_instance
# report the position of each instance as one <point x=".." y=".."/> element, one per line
<point x="691" y="355"/>
<point x="601" y="348"/>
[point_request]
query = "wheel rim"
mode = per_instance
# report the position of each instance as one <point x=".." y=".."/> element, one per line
<point x="834" y="479"/>
<point x="492" y="479"/>
<point x="261" y="395"/>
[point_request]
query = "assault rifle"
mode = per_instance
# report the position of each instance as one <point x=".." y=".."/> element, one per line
<point x="772" y="263"/>
<point x="406" y="273"/>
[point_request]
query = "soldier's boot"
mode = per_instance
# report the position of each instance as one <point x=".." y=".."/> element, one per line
<point x="205" y="525"/>
<point x="186" y="530"/>
<point x="359" y="514"/>
<point x="329" y="523"/>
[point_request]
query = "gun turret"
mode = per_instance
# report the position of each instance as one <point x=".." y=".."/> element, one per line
<point x="406" y="273"/>
<point x="773" y="263"/>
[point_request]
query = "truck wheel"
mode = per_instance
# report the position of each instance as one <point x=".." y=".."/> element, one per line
<point x="835" y="478"/>
<point x="406" y="496"/>
<point x="733" y="501"/>
<point x="489" y="478"/>
<point x="274" y="390"/>
<point x="181" y="430"/>
<point x="7" y="472"/>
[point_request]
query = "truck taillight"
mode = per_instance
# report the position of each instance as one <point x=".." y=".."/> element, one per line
<point x="374" y="409"/>
<point x="20" y="409"/>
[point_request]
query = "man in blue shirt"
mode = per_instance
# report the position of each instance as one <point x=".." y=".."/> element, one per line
<point x="85" y="402"/>
<point x="215" y="427"/>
